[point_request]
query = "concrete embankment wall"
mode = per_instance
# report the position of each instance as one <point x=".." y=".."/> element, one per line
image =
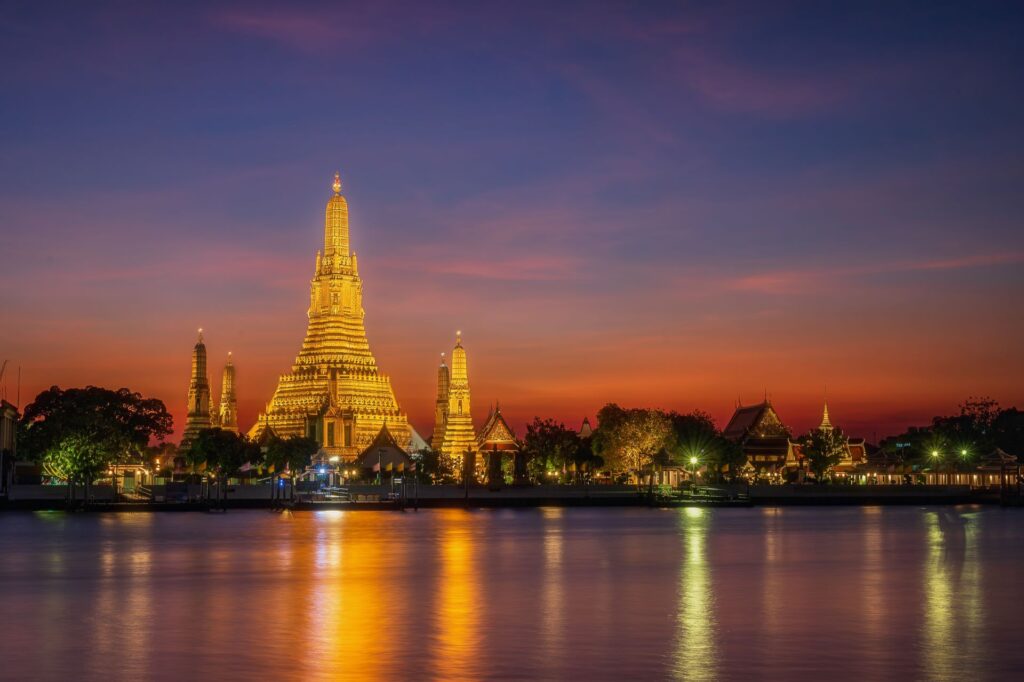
<point x="259" y="496"/>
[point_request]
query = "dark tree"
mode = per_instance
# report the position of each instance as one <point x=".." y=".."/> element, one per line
<point x="90" y="424"/>
<point x="824" y="450"/>
<point x="549" y="446"/>
<point x="433" y="466"/>
<point x="223" y="453"/>
<point x="294" y="453"/>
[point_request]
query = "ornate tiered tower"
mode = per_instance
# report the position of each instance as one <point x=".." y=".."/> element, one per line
<point x="199" y="402"/>
<point x="458" y="429"/>
<point x="228" y="414"/>
<point x="335" y="393"/>
<point x="826" y="423"/>
<point x="441" y="406"/>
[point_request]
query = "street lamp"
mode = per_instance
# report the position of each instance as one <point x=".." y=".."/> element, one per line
<point x="693" y="463"/>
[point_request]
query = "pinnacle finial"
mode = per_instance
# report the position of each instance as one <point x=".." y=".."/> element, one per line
<point x="337" y="183"/>
<point x="200" y="335"/>
<point x="458" y="338"/>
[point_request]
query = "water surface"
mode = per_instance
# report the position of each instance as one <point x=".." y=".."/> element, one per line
<point x="854" y="593"/>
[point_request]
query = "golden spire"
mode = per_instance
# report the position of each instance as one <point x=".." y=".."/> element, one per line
<point x="826" y="423"/>
<point x="336" y="226"/>
<point x="200" y="335"/>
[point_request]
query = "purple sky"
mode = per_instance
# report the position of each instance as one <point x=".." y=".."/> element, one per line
<point x="657" y="204"/>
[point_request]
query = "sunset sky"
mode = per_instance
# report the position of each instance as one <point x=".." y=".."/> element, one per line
<point x="674" y="205"/>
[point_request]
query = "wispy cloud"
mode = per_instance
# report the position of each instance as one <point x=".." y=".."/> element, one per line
<point x="811" y="280"/>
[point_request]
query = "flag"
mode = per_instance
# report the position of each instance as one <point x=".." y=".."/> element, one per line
<point x="389" y="467"/>
<point x="401" y="467"/>
<point x="376" y="467"/>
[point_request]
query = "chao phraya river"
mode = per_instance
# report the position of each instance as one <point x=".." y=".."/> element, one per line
<point x="855" y="593"/>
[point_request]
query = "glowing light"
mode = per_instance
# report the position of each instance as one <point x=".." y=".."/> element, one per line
<point x="935" y="453"/>
<point x="693" y="460"/>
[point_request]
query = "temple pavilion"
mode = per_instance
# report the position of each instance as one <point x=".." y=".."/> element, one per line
<point x="770" y="448"/>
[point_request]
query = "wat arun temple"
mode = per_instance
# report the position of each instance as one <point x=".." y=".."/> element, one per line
<point x="335" y="392"/>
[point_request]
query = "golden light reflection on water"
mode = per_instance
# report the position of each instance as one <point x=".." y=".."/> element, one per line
<point x="952" y="599"/>
<point x="553" y="589"/>
<point x="691" y="594"/>
<point x="874" y="605"/>
<point x="120" y="636"/>
<point x="695" y="615"/>
<point x="457" y="607"/>
<point x="355" y="603"/>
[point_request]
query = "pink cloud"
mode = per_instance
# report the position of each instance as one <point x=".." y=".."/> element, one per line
<point x="811" y="280"/>
<point x="749" y="89"/>
<point x="303" y="31"/>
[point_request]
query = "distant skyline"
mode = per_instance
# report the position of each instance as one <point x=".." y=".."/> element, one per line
<point x="666" y="205"/>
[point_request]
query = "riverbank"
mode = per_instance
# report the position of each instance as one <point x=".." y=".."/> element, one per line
<point x="368" y="497"/>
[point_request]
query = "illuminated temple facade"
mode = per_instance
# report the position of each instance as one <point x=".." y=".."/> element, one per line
<point x="202" y="413"/>
<point x="227" y="416"/>
<point x="770" y="448"/>
<point x="454" y="434"/>
<point x="200" y="402"/>
<point x="335" y="393"/>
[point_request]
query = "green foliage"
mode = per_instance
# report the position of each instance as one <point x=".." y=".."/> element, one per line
<point x="294" y="453"/>
<point x="549" y="446"/>
<point x="823" y="450"/>
<point x="630" y="439"/>
<point x="77" y="458"/>
<point x="222" y="452"/>
<point x="80" y="431"/>
<point x="436" y="467"/>
<point x="979" y="428"/>
<point x="695" y="435"/>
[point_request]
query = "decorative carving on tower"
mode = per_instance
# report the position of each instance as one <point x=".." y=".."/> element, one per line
<point x="199" y="402"/>
<point x="459" y="435"/>
<point x="335" y="392"/>
<point x="228" y="415"/>
<point x="441" y="406"/>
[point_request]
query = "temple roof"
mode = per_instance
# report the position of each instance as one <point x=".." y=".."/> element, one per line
<point x="759" y="419"/>
<point x="997" y="458"/>
<point x="496" y="430"/>
<point x="384" y="450"/>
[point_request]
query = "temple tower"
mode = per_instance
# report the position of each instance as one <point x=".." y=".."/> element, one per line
<point x="459" y="435"/>
<point x="199" y="401"/>
<point x="826" y="423"/>
<point x="441" y="406"/>
<point x="228" y="416"/>
<point x="335" y="393"/>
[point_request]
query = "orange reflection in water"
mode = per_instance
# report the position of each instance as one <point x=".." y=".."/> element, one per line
<point x="458" y="606"/>
<point x="352" y="605"/>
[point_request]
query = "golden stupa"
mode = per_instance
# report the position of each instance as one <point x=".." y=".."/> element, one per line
<point x="335" y="392"/>
<point x="455" y="423"/>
